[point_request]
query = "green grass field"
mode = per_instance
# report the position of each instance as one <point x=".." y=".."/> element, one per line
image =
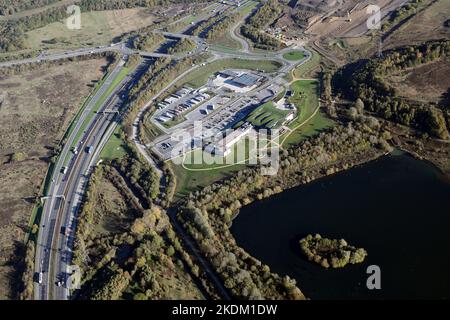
<point x="294" y="55"/>
<point x="306" y="99"/>
<point x="267" y="116"/>
<point x="200" y="76"/>
<point x="200" y="175"/>
<point x="114" y="148"/>
<point x="304" y="69"/>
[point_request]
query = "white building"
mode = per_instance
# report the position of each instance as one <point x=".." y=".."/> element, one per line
<point x="224" y="147"/>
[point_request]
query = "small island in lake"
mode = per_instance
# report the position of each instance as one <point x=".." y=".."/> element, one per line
<point x="331" y="252"/>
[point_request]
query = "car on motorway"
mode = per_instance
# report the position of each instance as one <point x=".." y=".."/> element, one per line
<point x="90" y="149"/>
<point x="64" y="170"/>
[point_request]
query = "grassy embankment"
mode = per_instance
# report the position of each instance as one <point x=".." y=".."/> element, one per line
<point x="294" y="55"/>
<point x="310" y="120"/>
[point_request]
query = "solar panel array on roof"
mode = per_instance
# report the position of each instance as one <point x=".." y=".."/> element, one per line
<point x="246" y="80"/>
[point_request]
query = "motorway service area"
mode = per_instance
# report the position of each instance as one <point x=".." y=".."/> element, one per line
<point x="214" y="117"/>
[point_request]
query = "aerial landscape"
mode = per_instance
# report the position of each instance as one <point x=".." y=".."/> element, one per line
<point x="224" y="150"/>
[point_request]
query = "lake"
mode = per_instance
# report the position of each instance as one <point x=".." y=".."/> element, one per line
<point x="396" y="207"/>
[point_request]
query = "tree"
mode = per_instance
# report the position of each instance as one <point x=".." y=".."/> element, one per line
<point x="170" y="251"/>
<point x="140" y="296"/>
<point x="18" y="156"/>
<point x="359" y="105"/>
<point x="34" y="229"/>
<point x="352" y="113"/>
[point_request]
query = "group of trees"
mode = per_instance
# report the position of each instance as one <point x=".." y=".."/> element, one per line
<point x="368" y="84"/>
<point x="27" y="280"/>
<point x="266" y="14"/>
<point x="252" y="29"/>
<point x="401" y="13"/>
<point x="201" y="26"/>
<point x="207" y="213"/>
<point x="135" y="261"/>
<point x="215" y="26"/>
<point x="9" y="7"/>
<point x="181" y="46"/>
<point x="331" y="252"/>
<point x="221" y="27"/>
<point x="13" y="32"/>
<point x="142" y="177"/>
<point x="148" y="41"/>
<point x="260" y="39"/>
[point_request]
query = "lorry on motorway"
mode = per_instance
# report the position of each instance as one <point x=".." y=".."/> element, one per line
<point x="38" y="277"/>
<point x="90" y="149"/>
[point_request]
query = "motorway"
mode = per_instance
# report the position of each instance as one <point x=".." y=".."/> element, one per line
<point x="54" y="247"/>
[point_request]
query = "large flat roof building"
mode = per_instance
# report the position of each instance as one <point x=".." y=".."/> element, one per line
<point x="246" y="80"/>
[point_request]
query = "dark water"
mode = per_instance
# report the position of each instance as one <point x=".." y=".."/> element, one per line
<point x="397" y="208"/>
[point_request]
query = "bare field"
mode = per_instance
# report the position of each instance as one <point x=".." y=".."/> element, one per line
<point x="353" y="25"/>
<point x="36" y="108"/>
<point x="97" y="27"/>
<point x="428" y="24"/>
<point x="426" y="83"/>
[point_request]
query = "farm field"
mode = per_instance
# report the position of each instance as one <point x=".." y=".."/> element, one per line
<point x="97" y="28"/>
<point x="36" y="108"/>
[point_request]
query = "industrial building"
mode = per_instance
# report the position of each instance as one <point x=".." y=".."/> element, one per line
<point x="224" y="147"/>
